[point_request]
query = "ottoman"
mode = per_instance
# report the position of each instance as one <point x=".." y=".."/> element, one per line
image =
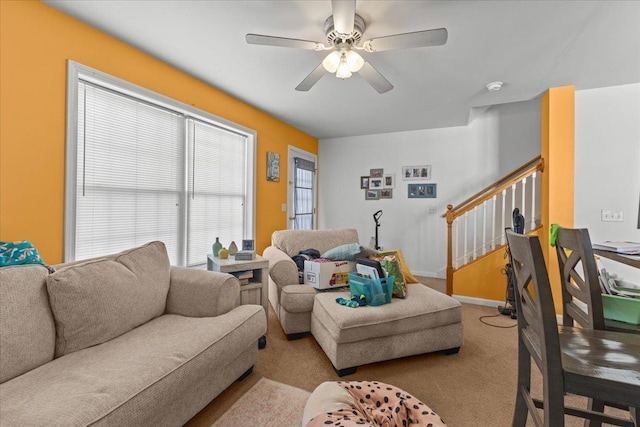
<point x="424" y="322"/>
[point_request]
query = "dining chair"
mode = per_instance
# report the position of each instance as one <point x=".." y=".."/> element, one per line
<point x="581" y="292"/>
<point x="579" y="278"/>
<point x="601" y="365"/>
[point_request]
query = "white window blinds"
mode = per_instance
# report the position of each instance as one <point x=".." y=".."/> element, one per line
<point x="217" y="188"/>
<point x="143" y="167"/>
<point x="129" y="166"/>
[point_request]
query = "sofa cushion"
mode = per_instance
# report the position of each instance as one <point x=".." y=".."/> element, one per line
<point x="294" y="241"/>
<point x="134" y="378"/>
<point x="424" y="308"/>
<point x="98" y="300"/>
<point x="28" y="334"/>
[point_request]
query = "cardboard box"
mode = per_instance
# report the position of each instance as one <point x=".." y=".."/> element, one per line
<point x="326" y="275"/>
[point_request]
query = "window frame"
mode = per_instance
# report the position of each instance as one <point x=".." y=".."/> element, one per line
<point x="77" y="72"/>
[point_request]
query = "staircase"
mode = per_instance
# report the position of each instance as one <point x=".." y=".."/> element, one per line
<point x="475" y="227"/>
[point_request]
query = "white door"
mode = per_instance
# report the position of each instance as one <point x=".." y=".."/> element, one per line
<point x="302" y="190"/>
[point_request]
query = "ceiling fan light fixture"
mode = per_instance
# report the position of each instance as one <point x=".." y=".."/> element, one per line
<point x="343" y="72"/>
<point x="332" y="61"/>
<point x="354" y="60"/>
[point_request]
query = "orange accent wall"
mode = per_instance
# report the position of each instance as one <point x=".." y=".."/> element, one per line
<point x="558" y="148"/>
<point x="35" y="43"/>
<point x="482" y="278"/>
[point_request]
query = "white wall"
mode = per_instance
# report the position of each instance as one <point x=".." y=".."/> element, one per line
<point x="464" y="160"/>
<point x="607" y="159"/>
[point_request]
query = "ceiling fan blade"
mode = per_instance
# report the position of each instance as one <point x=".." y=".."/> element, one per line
<point x="344" y="13"/>
<point x="311" y="79"/>
<point x="283" y="42"/>
<point x="375" y="79"/>
<point x="424" y="38"/>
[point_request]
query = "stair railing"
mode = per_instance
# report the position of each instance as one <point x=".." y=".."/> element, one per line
<point x="476" y="226"/>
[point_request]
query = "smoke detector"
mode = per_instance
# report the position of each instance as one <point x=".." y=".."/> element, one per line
<point x="494" y="86"/>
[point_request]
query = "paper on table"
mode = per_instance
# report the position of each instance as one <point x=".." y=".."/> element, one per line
<point x="629" y="248"/>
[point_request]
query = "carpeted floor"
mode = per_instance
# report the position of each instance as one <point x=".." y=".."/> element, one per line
<point x="473" y="388"/>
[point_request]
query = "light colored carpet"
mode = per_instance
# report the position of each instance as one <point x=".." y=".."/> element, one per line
<point x="266" y="404"/>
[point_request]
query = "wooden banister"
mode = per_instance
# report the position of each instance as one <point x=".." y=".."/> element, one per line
<point x="453" y="212"/>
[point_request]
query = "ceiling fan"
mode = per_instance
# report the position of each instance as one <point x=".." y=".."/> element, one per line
<point x="344" y="30"/>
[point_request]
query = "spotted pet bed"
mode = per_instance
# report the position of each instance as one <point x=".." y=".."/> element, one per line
<point x="366" y="403"/>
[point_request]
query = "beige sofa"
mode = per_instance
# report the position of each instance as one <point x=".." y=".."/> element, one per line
<point x="121" y="340"/>
<point x="291" y="301"/>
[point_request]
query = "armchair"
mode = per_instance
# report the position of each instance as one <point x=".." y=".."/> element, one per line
<point x="291" y="301"/>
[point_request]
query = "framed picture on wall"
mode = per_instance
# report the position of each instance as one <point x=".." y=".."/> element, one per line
<point x="386" y="193"/>
<point x="421" y="191"/>
<point x="376" y="173"/>
<point x="389" y="180"/>
<point x="372" y="195"/>
<point x="364" y="182"/>
<point x="273" y="166"/>
<point x="416" y="172"/>
<point x="375" y="183"/>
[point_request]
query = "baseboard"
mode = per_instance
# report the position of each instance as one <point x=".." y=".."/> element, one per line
<point x="478" y="301"/>
<point x="430" y="274"/>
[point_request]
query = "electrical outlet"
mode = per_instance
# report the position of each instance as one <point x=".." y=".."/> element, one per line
<point x="610" y="215"/>
<point x="432" y="211"/>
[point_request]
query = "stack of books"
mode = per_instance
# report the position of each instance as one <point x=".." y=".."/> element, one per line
<point x="244" y="276"/>
<point x="245" y="255"/>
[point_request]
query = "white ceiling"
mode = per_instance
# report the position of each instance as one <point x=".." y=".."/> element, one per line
<point x="528" y="45"/>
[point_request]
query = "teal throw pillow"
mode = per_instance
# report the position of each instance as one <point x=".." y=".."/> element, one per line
<point x="19" y="253"/>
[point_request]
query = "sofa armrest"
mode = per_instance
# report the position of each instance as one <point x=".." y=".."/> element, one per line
<point x="282" y="269"/>
<point x="201" y="293"/>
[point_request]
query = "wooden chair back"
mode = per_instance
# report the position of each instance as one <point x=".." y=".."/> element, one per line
<point x="538" y="337"/>
<point x="579" y="278"/>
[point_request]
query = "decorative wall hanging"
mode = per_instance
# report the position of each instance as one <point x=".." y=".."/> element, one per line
<point x="389" y="181"/>
<point x="422" y="191"/>
<point x="386" y="193"/>
<point x="372" y="195"/>
<point x="375" y="183"/>
<point x="416" y="172"/>
<point x="376" y="173"/>
<point x="273" y="166"/>
<point x="364" y="182"/>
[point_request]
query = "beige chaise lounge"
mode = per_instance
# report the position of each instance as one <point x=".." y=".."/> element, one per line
<point x="121" y="340"/>
<point x="426" y="321"/>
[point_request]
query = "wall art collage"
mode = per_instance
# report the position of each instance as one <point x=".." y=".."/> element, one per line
<point x="379" y="185"/>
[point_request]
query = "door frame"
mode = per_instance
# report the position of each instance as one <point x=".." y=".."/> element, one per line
<point x="294" y="152"/>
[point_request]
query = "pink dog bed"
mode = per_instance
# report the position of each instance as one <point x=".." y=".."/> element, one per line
<point x="366" y="403"/>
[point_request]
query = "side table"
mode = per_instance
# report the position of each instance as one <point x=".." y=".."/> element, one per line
<point x="254" y="292"/>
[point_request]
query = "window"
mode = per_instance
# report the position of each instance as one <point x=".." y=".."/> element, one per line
<point x="143" y="167"/>
<point x="304" y="177"/>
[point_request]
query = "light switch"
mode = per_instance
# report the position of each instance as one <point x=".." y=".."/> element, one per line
<point x="610" y="215"/>
<point x="284" y="207"/>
